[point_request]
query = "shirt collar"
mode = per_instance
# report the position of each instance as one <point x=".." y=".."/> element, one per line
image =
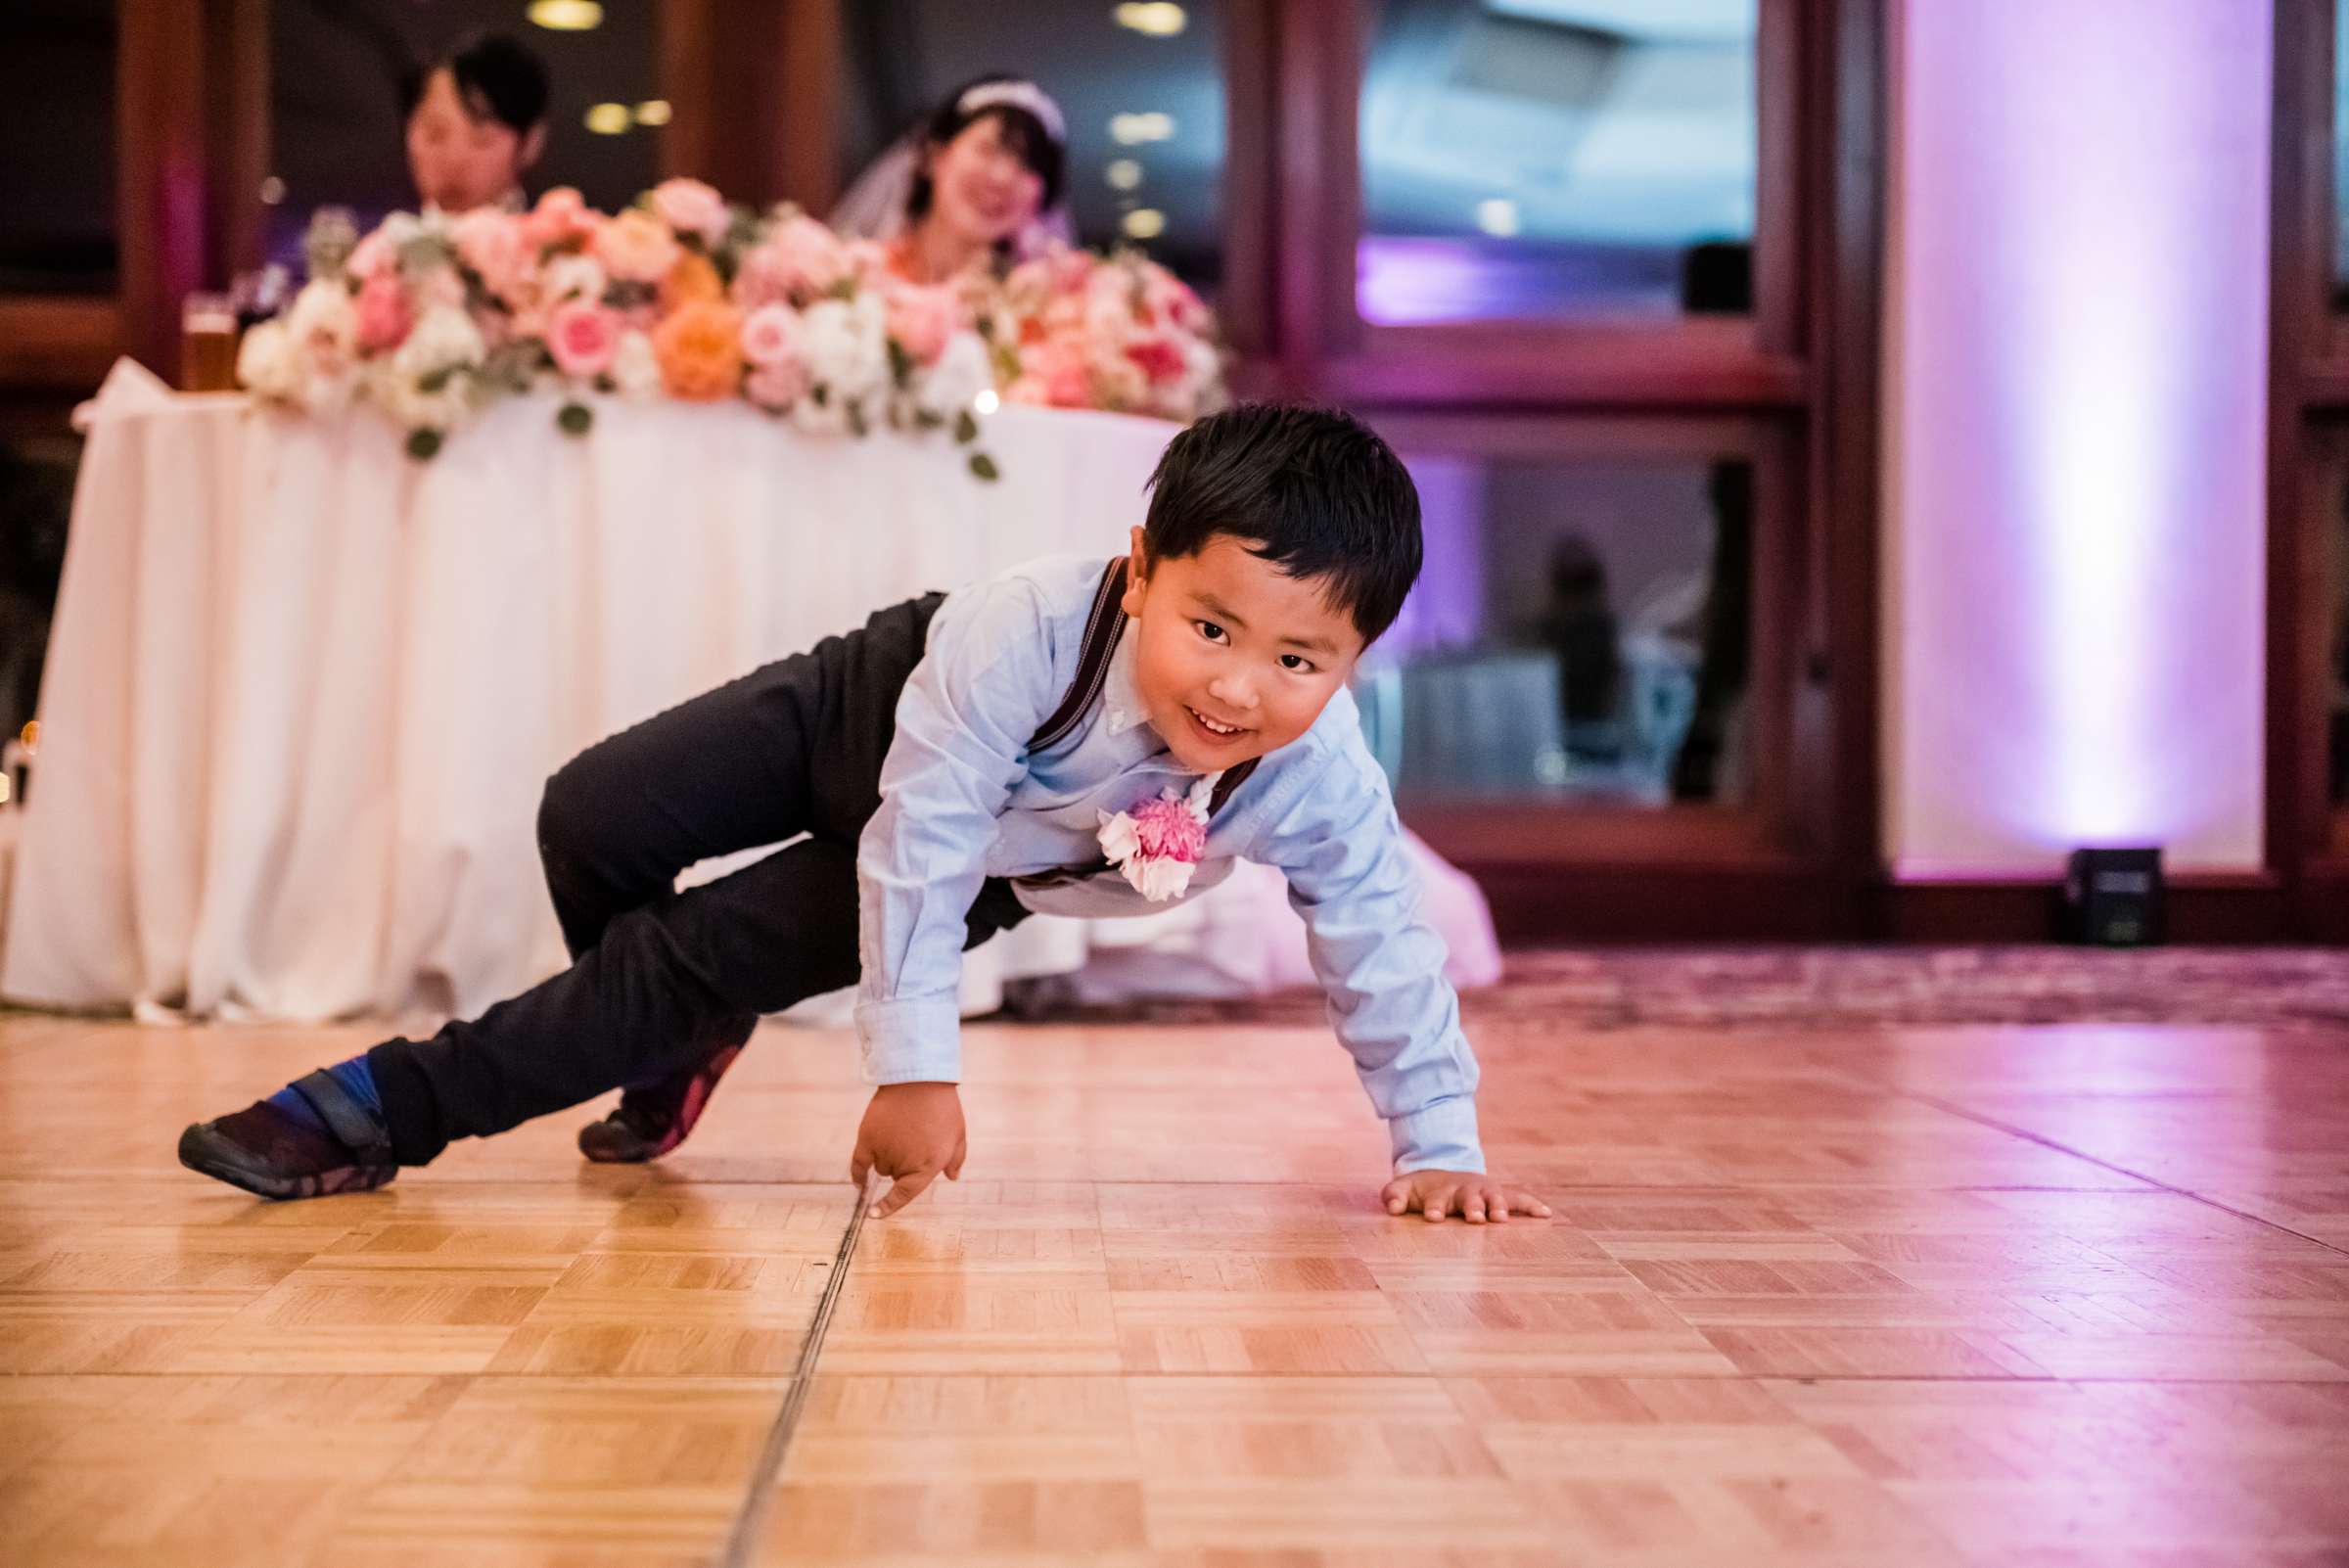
<point x="1122" y="706"/>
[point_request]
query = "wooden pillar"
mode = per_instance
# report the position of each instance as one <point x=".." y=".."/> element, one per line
<point x="753" y="87"/>
<point x="191" y="113"/>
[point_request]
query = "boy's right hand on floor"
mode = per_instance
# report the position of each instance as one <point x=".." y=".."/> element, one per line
<point x="910" y="1133"/>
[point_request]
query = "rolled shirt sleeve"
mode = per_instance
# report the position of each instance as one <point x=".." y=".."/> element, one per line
<point x="963" y="721"/>
<point x="1380" y="965"/>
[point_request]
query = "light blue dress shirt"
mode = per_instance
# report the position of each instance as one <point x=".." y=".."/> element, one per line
<point x="962" y="800"/>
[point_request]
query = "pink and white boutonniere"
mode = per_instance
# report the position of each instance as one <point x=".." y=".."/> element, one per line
<point x="1158" y="844"/>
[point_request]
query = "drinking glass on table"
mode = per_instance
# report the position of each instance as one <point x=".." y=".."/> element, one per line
<point x="207" y="334"/>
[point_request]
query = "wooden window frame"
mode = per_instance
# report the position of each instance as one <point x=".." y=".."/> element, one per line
<point x="1795" y="385"/>
<point x="2308" y="408"/>
<point x="1485" y="832"/>
<point x="1736" y="361"/>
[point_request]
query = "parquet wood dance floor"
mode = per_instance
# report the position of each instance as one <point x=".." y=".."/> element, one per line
<point x="1999" y="1296"/>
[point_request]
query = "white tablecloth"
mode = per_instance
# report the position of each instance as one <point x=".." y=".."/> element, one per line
<point x="303" y="692"/>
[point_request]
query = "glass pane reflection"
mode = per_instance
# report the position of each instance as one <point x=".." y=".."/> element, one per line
<point x="1580" y="632"/>
<point x="1537" y="158"/>
<point x="1141" y="87"/>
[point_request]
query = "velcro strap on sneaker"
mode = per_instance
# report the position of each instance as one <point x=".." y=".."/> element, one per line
<point x="358" y="1128"/>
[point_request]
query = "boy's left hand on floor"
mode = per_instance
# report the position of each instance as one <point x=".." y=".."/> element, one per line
<point x="1471" y="1195"/>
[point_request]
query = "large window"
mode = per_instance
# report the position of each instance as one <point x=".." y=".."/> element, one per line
<point x="1531" y="158"/>
<point x="1565" y="252"/>
<point x="1581" y="632"/>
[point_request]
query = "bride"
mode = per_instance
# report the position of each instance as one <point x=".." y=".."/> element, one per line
<point x="979" y="181"/>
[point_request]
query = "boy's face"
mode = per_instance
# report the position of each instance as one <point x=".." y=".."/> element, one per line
<point x="1234" y="657"/>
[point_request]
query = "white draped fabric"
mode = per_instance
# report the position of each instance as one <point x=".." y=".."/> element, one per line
<point x="302" y="691"/>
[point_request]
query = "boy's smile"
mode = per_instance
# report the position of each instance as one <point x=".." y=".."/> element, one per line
<point x="1233" y="658"/>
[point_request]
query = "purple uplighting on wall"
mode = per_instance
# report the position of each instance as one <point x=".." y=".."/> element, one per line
<point x="2075" y="612"/>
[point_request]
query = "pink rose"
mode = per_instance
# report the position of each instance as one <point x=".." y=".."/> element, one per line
<point x="385" y="314"/>
<point x="492" y="244"/>
<point x="770" y="336"/>
<point x="1058" y="365"/>
<point x="582" y="336"/>
<point x="636" y="247"/>
<point x="561" y="217"/>
<point x="807" y="257"/>
<point x="777" y="386"/>
<point x="691" y="207"/>
<point x="1169" y="298"/>
<point x="1068" y="269"/>
<point x="921" y="319"/>
<point x="1159" y="358"/>
<point x="1168" y="830"/>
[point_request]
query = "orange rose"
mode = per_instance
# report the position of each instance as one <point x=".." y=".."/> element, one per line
<point x="700" y="352"/>
<point x="692" y="280"/>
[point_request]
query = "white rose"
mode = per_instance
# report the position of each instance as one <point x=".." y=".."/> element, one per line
<point x="1121" y="839"/>
<point x="322" y="330"/>
<point x="444" y="337"/>
<point x="323" y="314"/>
<point x="961" y="374"/>
<point x="402" y="394"/>
<point x="266" y="364"/>
<point x="827" y="418"/>
<point x="572" y="277"/>
<point x="400" y="229"/>
<point x="635" y="369"/>
<point x="1159" y="880"/>
<point x="844" y="343"/>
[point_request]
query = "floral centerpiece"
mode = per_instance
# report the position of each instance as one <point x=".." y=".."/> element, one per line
<point x="687" y="297"/>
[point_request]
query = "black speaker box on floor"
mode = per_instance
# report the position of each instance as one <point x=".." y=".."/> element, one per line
<point x="2112" y="898"/>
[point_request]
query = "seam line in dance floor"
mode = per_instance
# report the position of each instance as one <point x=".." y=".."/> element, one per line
<point x="752" y="1515"/>
<point x="2028" y="1136"/>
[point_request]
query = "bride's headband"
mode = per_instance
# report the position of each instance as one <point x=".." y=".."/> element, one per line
<point x="1024" y="95"/>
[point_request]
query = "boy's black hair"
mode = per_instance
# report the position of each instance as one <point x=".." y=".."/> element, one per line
<point x="1312" y="491"/>
<point x="497" y="78"/>
<point x="1025" y="135"/>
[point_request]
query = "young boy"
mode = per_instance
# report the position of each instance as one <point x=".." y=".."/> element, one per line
<point x="957" y="764"/>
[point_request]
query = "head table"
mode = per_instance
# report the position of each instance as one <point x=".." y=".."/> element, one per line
<point x="304" y="691"/>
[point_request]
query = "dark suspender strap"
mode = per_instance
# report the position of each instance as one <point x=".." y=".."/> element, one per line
<point x="1232" y="779"/>
<point x="1102" y="628"/>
